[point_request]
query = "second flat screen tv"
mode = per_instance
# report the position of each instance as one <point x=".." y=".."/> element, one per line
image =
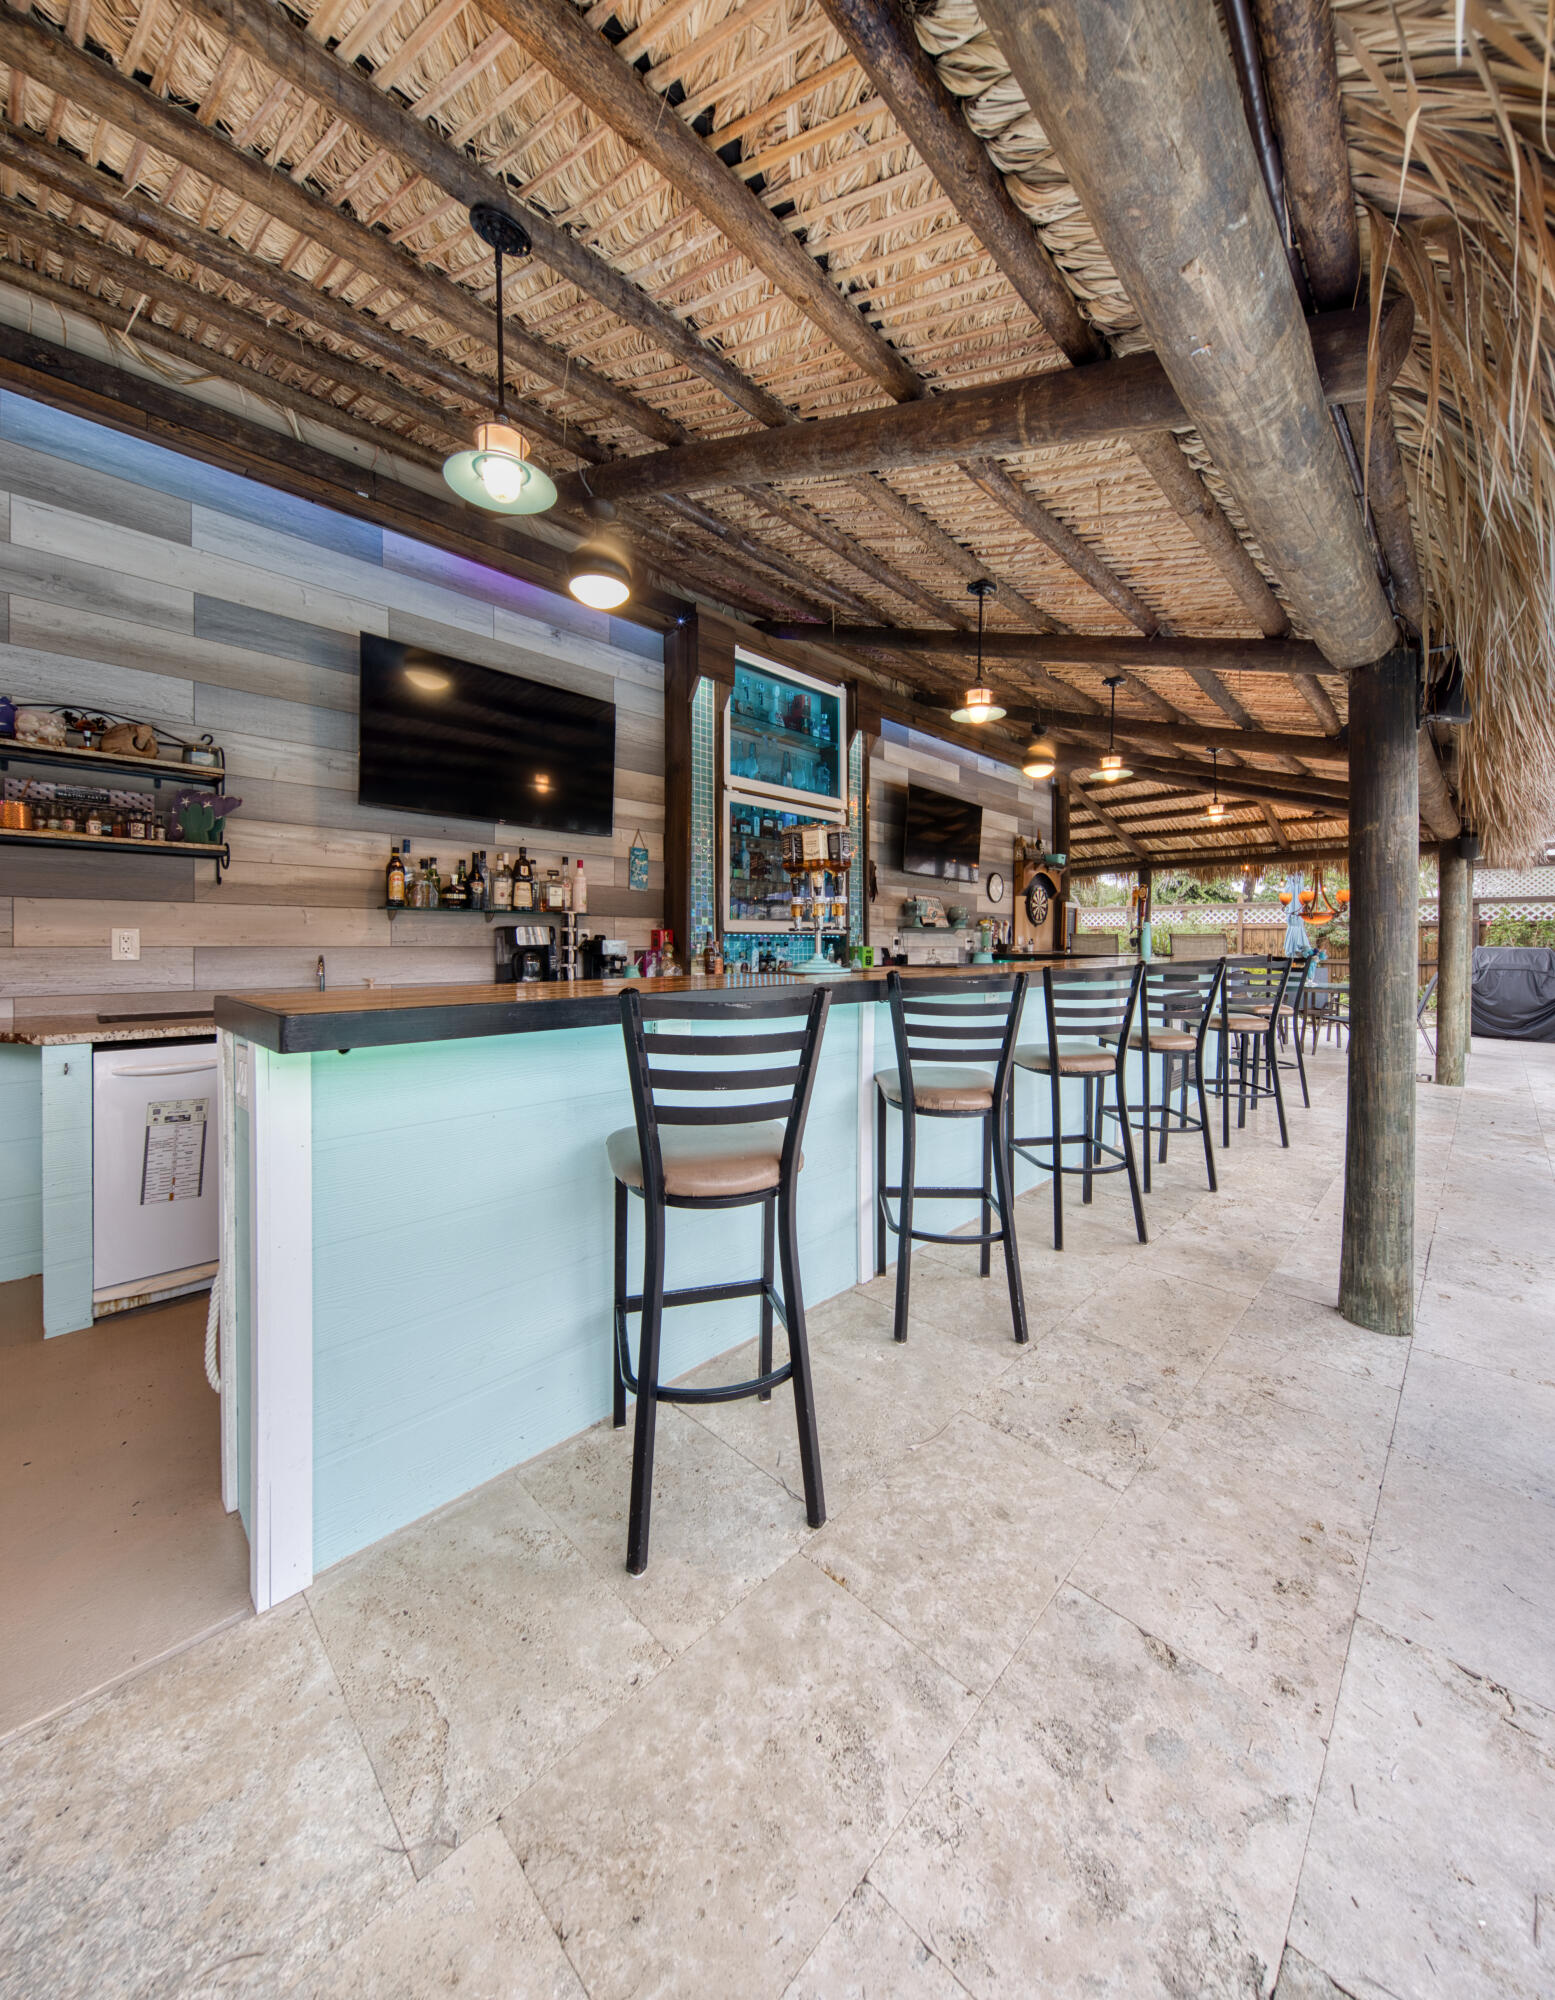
<point x="444" y="736"/>
<point x="942" y="835"/>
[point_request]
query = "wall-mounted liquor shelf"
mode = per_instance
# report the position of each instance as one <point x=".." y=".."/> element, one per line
<point x="159" y="769"/>
<point x="187" y="850"/>
<point x="106" y="763"/>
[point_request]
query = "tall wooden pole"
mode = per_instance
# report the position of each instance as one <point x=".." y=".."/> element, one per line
<point x="1062" y="833"/>
<point x="1377" y="1276"/>
<point x="1453" y="960"/>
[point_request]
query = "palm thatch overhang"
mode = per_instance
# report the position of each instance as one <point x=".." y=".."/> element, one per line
<point x="750" y="214"/>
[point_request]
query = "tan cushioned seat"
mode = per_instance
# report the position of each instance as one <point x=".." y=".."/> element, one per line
<point x="1247" y="1024"/>
<point x="1160" y="1038"/>
<point x="941" y="1087"/>
<point x="1071" y="1062"/>
<point x="705" y="1159"/>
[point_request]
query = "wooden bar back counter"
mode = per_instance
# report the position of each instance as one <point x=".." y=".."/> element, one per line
<point x="416" y="1269"/>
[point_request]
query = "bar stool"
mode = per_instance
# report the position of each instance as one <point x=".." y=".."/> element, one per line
<point x="953" y="1055"/>
<point x="1250" y="996"/>
<point x="1290" y="1020"/>
<point x="693" y="1148"/>
<point x="1093" y="1005"/>
<point x="1175" y="1006"/>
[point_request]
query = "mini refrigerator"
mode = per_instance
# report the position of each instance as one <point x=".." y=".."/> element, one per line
<point x="155" y="1165"/>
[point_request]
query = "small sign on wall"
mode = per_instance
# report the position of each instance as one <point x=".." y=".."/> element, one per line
<point x="173" y="1164"/>
<point x="637" y="864"/>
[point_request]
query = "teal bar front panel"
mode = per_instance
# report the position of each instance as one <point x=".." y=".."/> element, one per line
<point x="243" y="1301"/>
<point x="67" y="1187"/>
<point x="462" y="1219"/>
<point x="21" y="1162"/>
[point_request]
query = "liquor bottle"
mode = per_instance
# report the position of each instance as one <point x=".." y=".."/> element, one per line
<point x="580" y="892"/>
<point x="394" y="881"/>
<point x="478" y="884"/>
<point x="523" y="881"/>
<point x="456" y="894"/>
<point x="566" y="881"/>
<point x="502" y="885"/>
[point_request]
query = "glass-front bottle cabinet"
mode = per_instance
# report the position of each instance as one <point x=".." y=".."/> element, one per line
<point x="785" y="738"/>
<point x="760" y="894"/>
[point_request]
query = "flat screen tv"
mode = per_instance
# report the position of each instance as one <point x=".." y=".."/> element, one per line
<point x="942" y="835"/>
<point x="443" y="736"/>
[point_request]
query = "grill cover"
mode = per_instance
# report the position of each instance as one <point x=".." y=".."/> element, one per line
<point x="1514" y="992"/>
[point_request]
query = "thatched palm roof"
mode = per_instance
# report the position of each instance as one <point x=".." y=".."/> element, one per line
<point x="280" y="199"/>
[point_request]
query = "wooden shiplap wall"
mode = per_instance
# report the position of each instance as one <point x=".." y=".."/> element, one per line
<point x="135" y="580"/>
<point x="1011" y="804"/>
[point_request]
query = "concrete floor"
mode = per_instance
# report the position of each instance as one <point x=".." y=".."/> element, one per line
<point x="114" y="1546"/>
<point x="1206" y="1644"/>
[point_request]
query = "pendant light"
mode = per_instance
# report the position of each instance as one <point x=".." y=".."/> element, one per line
<point x="599" y="572"/>
<point x="1041" y="754"/>
<point x="1112" y="769"/>
<point x="981" y="705"/>
<point x="1216" y="808"/>
<point x="497" y="474"/>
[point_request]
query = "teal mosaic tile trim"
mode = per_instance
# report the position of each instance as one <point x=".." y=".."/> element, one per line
<point x="704" y="832"/>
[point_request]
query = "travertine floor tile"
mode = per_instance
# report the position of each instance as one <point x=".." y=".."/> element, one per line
<point x="472" y="1930"/>
<point x="1467" y="1568"/>
<point x="1181" y="1324"/>
<point x="1458" y="1322"/>
<point x="1097" y="1406"/>
<point x="1477" y="1423"/>
<point x="963" y="1543"/>
<point x="1433" y="1834"/>
<point x="706" y="1843"/>
<point x="719" y="1523"/>
<point x="212" y="1825"/>
<point x="1314" y="1333"/>
<point x="874" y="1400"/>
<point x="474" y="1647"/>
<point x="1035" y="1862"/>
<point x="870" y="1954"/>
<point x="1208" y="1557"/>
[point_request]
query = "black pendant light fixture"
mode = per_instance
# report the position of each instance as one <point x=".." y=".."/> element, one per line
<point x="1112" y="769"/>
<point x="1216" y="808"/>
<point x="1040" y="758"/>
<point x="599" y="571"/>
<point x="981" y="706"/>
<point x="497" y="473"/>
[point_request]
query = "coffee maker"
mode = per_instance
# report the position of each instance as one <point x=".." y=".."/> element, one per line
<point x="604" y="957"/>
<point x="526" y="953"/>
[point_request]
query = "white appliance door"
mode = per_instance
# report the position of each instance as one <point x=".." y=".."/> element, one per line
<point x="155" y="1162"/>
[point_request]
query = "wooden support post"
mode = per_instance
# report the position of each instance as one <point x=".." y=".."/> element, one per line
<point x="1454" y="957"/>
<point x="1377" y="1269"/>
<point x="1062" y="834"/>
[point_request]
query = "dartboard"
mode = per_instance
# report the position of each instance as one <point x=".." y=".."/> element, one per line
<point x="1037" y="899"/>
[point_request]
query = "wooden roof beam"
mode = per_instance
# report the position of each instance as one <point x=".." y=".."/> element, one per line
<point x="1231" y="859"/>
<point x="1099" y="812"/>
<point x="1241" y="656"/>
<point x="1142" y="109"/>
<point x="269" y="33"/>
<point x="1301" y="73"/>
<point x="555" y="35"/>
<point x="1031" y="413"/>
<point x="1253" y="742"/>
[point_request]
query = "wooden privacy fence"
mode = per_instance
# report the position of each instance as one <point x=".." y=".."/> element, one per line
<point x="1210" y="942"/>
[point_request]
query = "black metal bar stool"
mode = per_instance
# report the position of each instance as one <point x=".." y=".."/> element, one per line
<point x="700" y="1141"/>
<point x="1090" y="1016"/>
<point x="954" y="1041"/>
<point x="1175" y="1006"/>
<point x="1292" y="1007"/>
<point x="1250" y="996"/>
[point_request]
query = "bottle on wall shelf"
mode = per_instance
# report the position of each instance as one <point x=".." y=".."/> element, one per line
<point x="394" y="880"/>
<point x="502" y="885"/>
<point x="524" y="882"/>
<point x="580" y="891"/>
<point x="566" y="880"/>
<point x="478" y="884"/>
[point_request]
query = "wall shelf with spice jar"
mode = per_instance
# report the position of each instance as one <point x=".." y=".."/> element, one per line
<point x="39" y="807"/>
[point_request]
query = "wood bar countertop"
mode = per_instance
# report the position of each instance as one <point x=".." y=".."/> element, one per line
<point x="295" y="1023"/>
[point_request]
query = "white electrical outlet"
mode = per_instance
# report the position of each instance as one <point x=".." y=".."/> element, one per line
<point x="124" y="946"/>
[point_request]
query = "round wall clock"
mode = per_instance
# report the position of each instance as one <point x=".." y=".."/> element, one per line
<point x="993" y="887"/>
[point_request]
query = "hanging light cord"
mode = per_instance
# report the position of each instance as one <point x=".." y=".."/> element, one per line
<point x="502" y="388"/>
<point x="982" y="600"/>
